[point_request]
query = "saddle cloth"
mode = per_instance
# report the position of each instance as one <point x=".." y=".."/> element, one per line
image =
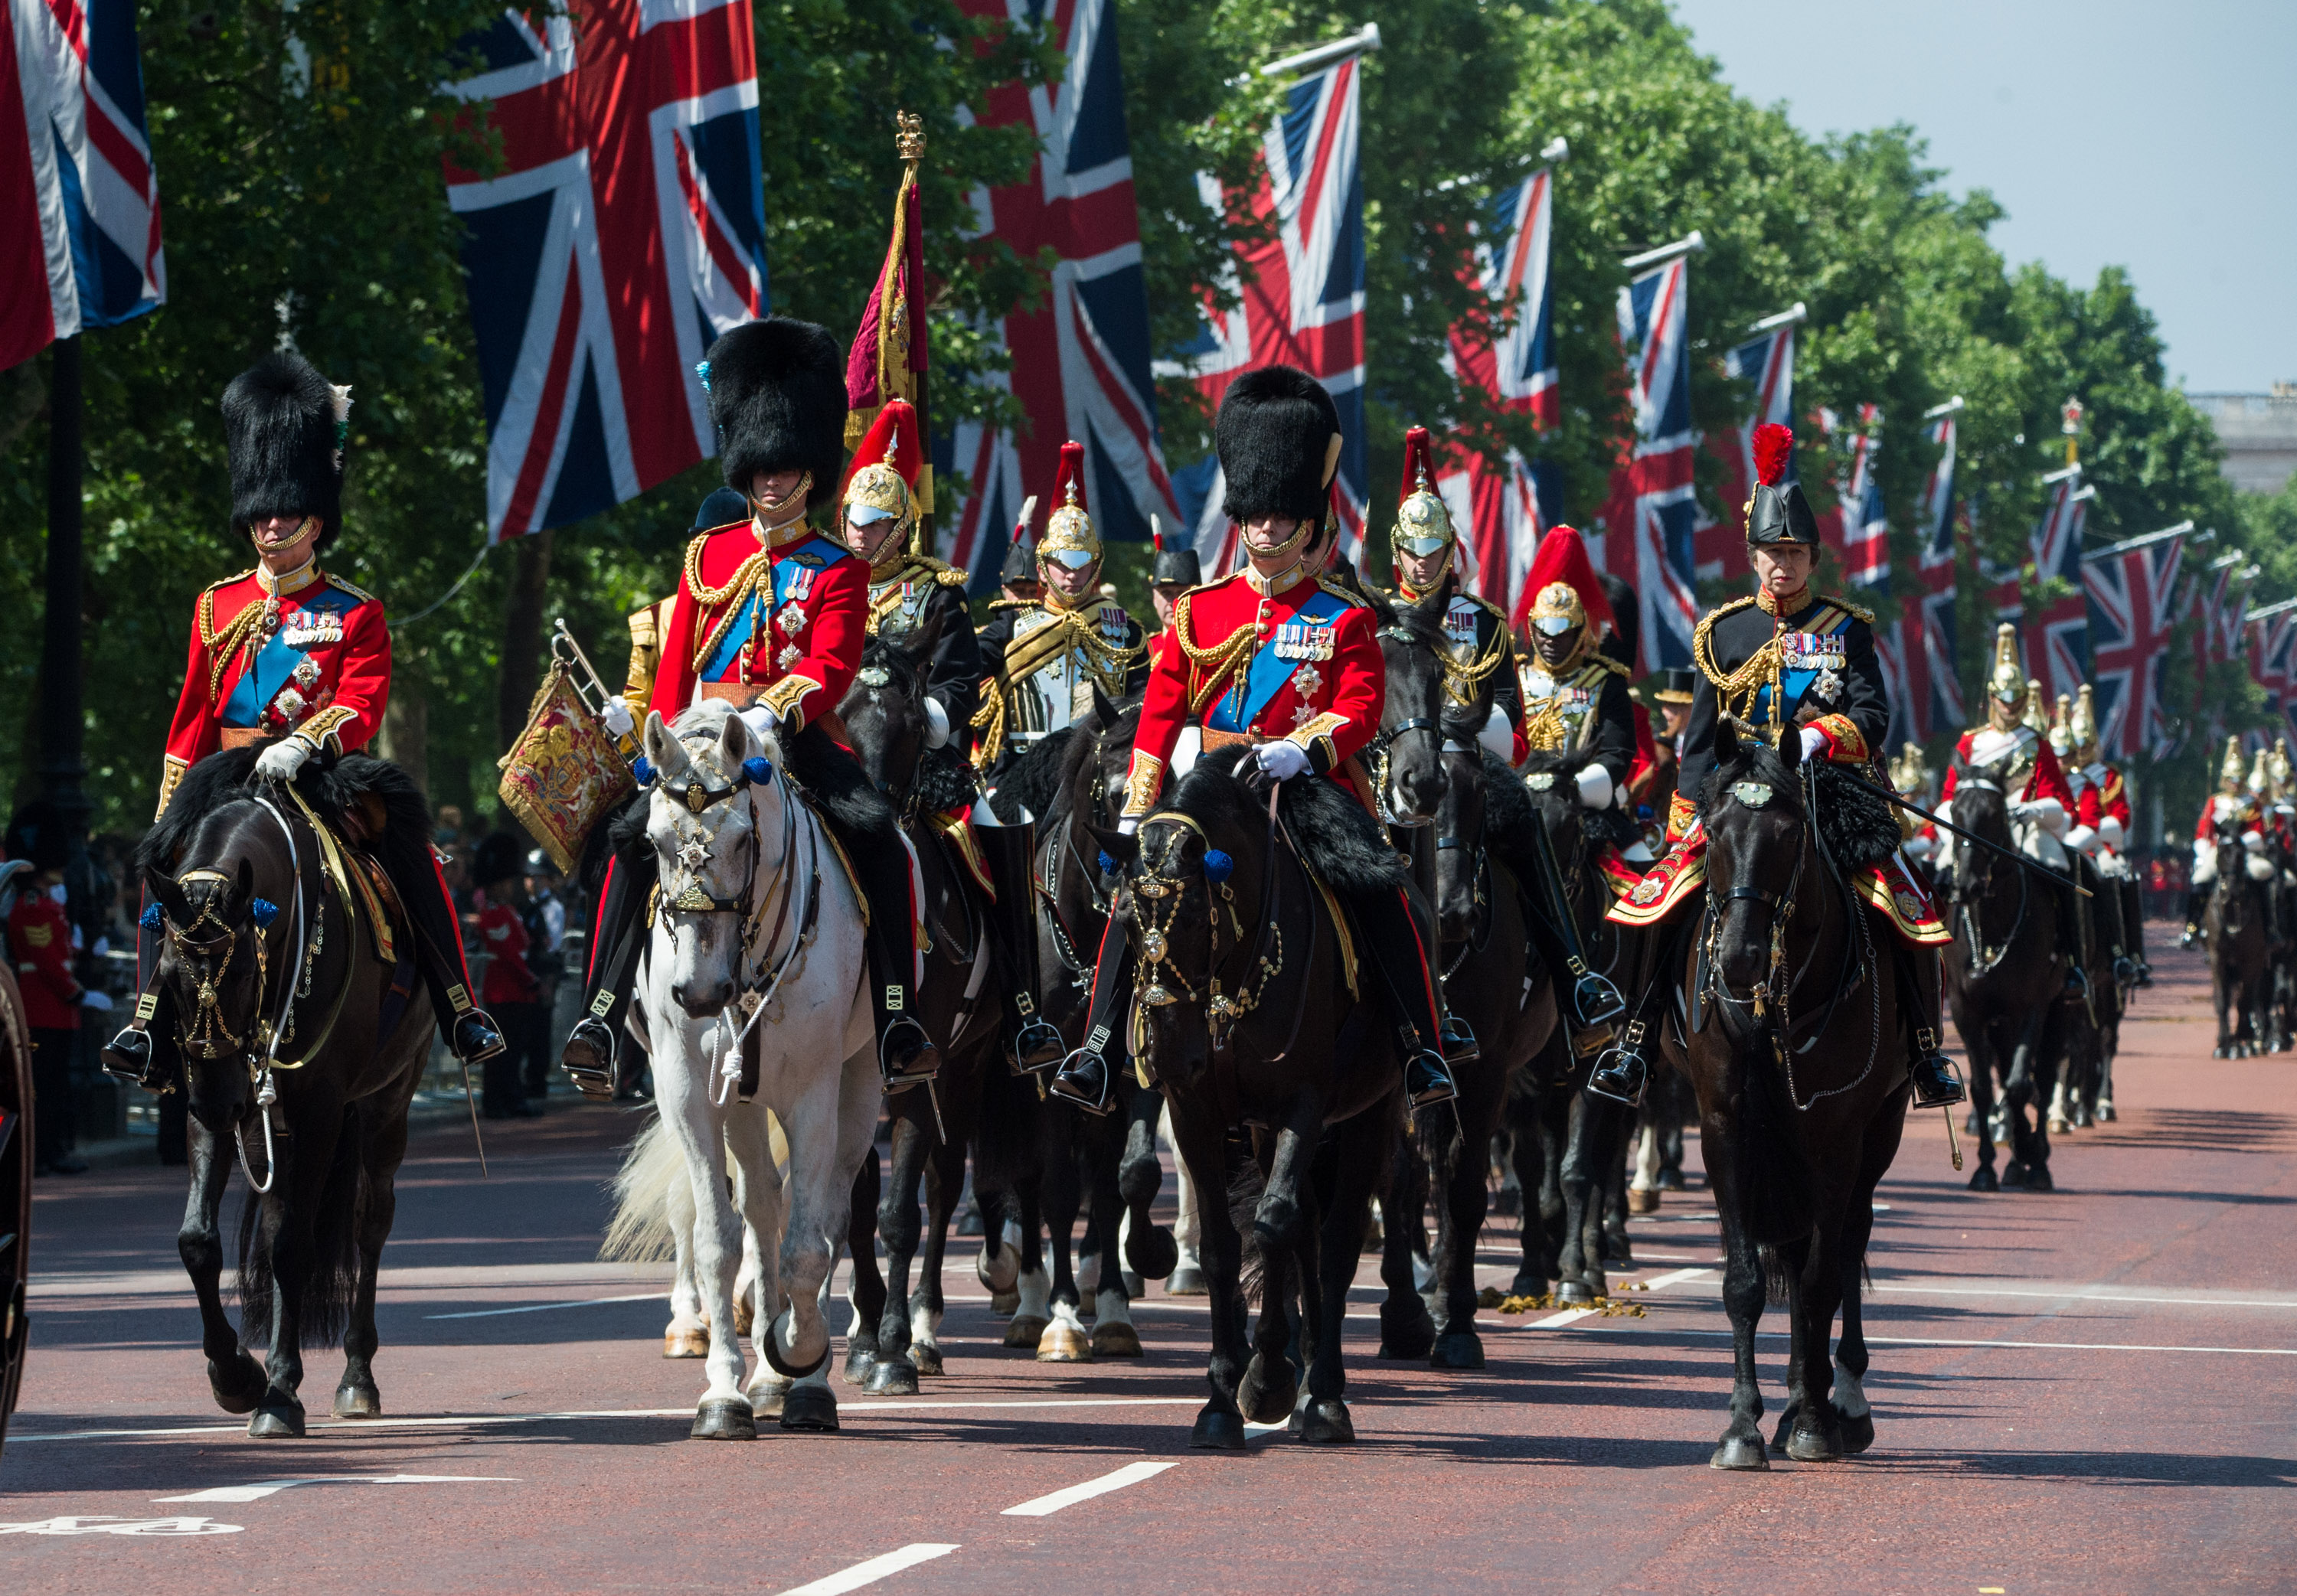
<point x="1890" y="889"/>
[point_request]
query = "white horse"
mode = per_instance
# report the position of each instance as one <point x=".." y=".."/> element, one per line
<point x="758" y="937"/>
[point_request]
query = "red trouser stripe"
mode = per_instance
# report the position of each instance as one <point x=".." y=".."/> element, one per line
<point x="598" y="923"/>
<point x="1435" y="1009"/>
<point x="447" y="899"/>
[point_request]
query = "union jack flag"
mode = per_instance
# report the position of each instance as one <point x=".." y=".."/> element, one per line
<point x="1766" y="361"/>
<point x="78" y="195"/>
<point x="1653" y="505"/>
<point x="1859" y="530"/>
<point x="1927" y="698"/>
<point x="2270" y="663"/>
<point x="2132" y="597"/>
<point x="625" y="231"/>
<point x="1080" y="360"/>
<point x="1300" y="296"/>
<point x="1499" y="510"/>
<point x="2228" y="618"/>
<point x="2056" y="543"/>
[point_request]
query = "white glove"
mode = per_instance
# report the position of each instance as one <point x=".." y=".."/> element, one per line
<point x="1126" y="825"/>
<point x="2111" y="830"/>
<point x="615" y="717"/>
<point x="283" y="758"/>
<point x="1497" y="736"/>
<point x="2083" y="838"/>
<point x="2254" y="841"/>
<point x="1814" y="742"/>
<point x="99" y="1002"/>
<point x="2048" y="811"/>
<point x="762" y="720"/>
<point x="1945" y="811"/>
<point x="1918" y="847"/>
<point x="1596" y="787"/>
<point x="936" y="724"/>
<point x="1281" y="761"/>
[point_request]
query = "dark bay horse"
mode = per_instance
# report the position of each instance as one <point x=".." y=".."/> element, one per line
<point x="894" y="1337"/>
<point x="1248" y="1011"/>
<point x="2005" y="978"/>
<point x="1797" y="1047"/>
<point x="2237" y="922"/>
<point x="1477" y="817"/>
<point x="301" y="1041"/>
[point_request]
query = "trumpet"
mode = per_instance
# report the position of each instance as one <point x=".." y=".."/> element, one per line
<point x="591" y="689"/>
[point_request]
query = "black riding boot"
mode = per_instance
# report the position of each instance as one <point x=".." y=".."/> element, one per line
<point x="906" y="1055"/>
<point x="617" y="938"/>
<point x="2133" y="927"/>
<point x="1031" y="1044"/>
<point x="1416" y="841"/>
<point x="2070" y="940"/>
<point x="1624" y="1071"/>
<point x="144" y="1050"/>
<point x="1391" y="933"/>
<point x="470" y="1032"/>
<point x="1935" y="1085"/>
<point x="1588" y="1002"/>
<point x="1086" y="1075"/>
<point x="2197" y="897"/>
<point x="2112" y="924"/>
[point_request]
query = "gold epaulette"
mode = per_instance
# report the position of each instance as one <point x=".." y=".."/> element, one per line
<point x="361" y="594"/>
<point x="1860" y="611"/>
<point x="203" y="607"/>
<point x="1356" y="601"/>
<point x="1011" y="604"/>
<point x="1604" y="662"/>
<point x="1702" y="652"/>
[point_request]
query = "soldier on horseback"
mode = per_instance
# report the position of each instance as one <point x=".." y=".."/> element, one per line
<point x="1786" y="663"/>
<point x="771" y="616"/>
<point x="1289" y="662"/>
<point x="2232" y="810"/>
<point x="286" y="652"/>
<point x="2101" y="824"/>
<point x="1046" y="658"/>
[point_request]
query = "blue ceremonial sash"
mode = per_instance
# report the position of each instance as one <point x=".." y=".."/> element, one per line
<point x="1795" y="680"/>
<point x="1271" y="669"/>
<point x="800" y="565"/>
<point x="275" y="662"/>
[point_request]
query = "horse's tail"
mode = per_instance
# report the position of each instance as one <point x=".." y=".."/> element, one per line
<point x="639" y="1232"/>
<point x="331" y="1284"/>
<point x="1774" y="1277"/>
<point x="1775" y="1185"/>
<point x="1247" y="1183"/>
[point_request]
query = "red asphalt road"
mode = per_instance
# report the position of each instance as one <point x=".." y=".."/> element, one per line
<point x="2090" y="1390"/>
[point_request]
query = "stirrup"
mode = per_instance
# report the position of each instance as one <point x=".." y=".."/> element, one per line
<point x="922" y="1064"/>
<point x="1934" y="1071"/>
<point x="1593" y="998"/>
<point x="127" y="1056"/>
<point x="1458" y="1041"/>
<point x="1426" y="1081"/>
<point x="1622" y="1074"/>
<point x="477" y="1037"/>
<point x="592" y="1068"/>
<point x="1074" y="1083"/>
<point x="1037" y="1046"/>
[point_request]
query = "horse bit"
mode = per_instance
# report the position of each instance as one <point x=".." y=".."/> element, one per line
<point x="1223" y="1011"/>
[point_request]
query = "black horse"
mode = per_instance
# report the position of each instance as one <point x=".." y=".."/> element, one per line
<point x="1797" y="1044"/>
<point x="1250" y="1007"/>
<point x="2005" y="978"/>
<point x="1472" y="848"/>
<point x="894" y="1337"/>
<point x="303" y="1028"/>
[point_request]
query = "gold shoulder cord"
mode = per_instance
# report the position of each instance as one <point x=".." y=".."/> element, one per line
<point x="224" y="646"/>
<point x="1735" y="691"/>
<point x="1210" y="669"/>
<point x="738" y="591"/>
<point x="1461" y="683"/>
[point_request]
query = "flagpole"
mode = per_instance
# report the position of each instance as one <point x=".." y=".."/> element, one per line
<point x="1793" y="315"/>
<point x="1690" y="244"/>
<point x="2128" y="544"/>
<point x="1366" y="38"/>
<point x="1936" y="411"/>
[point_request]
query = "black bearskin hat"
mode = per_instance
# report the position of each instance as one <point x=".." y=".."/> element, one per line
<point x="500" y="858"/>
<point x="1626" y="619"/>
<point x="1176" y="561"/>
<point x="284" y="425"/>
<point x="723" y="508"/>
<point x="1275" y="434"/>
<point x="777" y="397"/>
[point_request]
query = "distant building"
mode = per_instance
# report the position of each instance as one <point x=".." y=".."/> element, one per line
<point x="2260" y="434"/>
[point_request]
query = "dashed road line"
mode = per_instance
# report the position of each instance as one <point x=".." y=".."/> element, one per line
<point x="1053" y="1502"/>
<point x="874" y="1569"/>
<point x="272" y="1487"/>
<point x="2047" y="1346"/>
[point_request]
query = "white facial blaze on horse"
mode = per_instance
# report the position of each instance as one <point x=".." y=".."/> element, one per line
<point x="758" y="929"/>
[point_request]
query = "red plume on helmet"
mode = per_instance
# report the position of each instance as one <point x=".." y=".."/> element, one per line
<point x="1072" y="470"/>
<point x="1774" y="449"/>
<point x="1419" y="465"/>
<point x="1562" y="557"/>
<point x="892" y="439"/>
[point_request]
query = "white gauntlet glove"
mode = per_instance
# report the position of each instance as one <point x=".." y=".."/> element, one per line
<point x="1281" y="761"/>
<point x="1596" y="787"/>
<point x="936" y="724"/>
<point x="615" y="717"/>
<point x="1497" y="737"/>
<point x="763" y="721"/>
<point x="283" y="758"/>
<point x="1814" y="742"/>
<point x="1128" y="825"/>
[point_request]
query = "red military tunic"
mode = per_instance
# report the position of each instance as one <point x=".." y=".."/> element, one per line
<point x="1297" y="659"/>
<point x="508" y="979"/>
<point x="310" y="655"/>
<point x="2048" y="779"/>
<point x="39" y="945"/>
<point x="789" y="617"/>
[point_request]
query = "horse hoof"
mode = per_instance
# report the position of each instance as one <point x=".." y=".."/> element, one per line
<point x="1007" y="1303"/>
<point x="810" y="1408"/>
<point x="1574" y="1291"/>
<point x="1113" y="1340"/>
<point x="2037" y="1179"/>
<point x="1640" y="1201"/>
<point x="1135" y="1287"/>
<point x="2082" y="1119"/>
<point x="766" y="1394"/>
<point x="238" y="1385"/>
<point x="1858" y="1433"/>
<point x="1617" y="1250"/>
<point x="1187" y="1279"/>
<point x="1528" y="1284"/>
<point x="1740" y="1452"/>
<point x="358" y="1402"/>
<point x="1407" y="1340"/>
<point x="892" y="1377"/>
<point x="1983" y="1178"/>
<point x="745" y="1314"/>
<point x="2014" y="1172"/>
<point x="1151" y="1251"/>
<point x="1216" y="1431"/>
<point x="685" y="1343"/>
<point x="275" y="1421"/>
<point x="728" y="1418"/>
<point x="2060" y="1125"/>
<point x="2105" y="1114"/>
<point x="927" y="1360"/>
<point x="860" y="1361"/>
<point x="1457" y="1349"/>
<point x="1061" y="1342"/>
<point x="1026" y="1330"/>
<point x="1813" y="1446"/>
<point x="1323" y="1421"/>
<point x="1671" y="1180"/>
<point x="2219" y="1053"/>
<point x="1263" y="1403"/>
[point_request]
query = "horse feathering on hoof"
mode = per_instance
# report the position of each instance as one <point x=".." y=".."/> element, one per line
<point x="1797" y="1048"/>
<point x="1244" y="1008"/>
<point x="304" y="1043"/>
<point x="759" y="927"/>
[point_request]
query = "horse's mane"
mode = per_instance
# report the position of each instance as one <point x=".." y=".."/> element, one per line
<point x="1037" y="780"/>
<point x="227" y="776"/>
<point x="1856" y="824"/>
<point x="882" y="650"/>
<point x="1612" y="825"/>
<point x="832" y="778"/>
<point x="1339" y="841"/>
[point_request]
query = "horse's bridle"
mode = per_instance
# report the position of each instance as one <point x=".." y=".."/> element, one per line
<point x="1224" y="1011"/>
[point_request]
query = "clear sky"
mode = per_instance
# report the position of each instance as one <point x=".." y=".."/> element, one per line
<point x="2157" y="136"/>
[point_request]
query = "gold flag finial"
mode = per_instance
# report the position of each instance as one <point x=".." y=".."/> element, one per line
<point x="2071" y="426"/>
<point x="910" y="136"/>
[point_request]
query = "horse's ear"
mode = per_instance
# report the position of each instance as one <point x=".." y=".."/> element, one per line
<point x="1791" y="745"/>
<point x="168" y="896"/>
<point x="1125" y="851"/>
<point x="243" y="892"/>
<point x="663" y="752"/>
<point x="736" y="740"/>
<point x="1434" y="607"/>
<point x="1727" y="742"/>
<point x="1103" y="713"/>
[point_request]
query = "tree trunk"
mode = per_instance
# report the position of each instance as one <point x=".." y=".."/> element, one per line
<point x="522" y="656"/>
<point x="405" y="736"/>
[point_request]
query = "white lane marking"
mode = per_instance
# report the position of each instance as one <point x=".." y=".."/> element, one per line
<point x="1557" y="1320"/>
<point x="1676" y="1277"/>
<point x="1053" y="1502"/>
<point x="1255" y="1432"/>
<point x="2081" y="1294"/>
<point x="105" y="1524"/>
<point x="2047" y="1346"/>
<point x="272" y="1487"/>
<point x="876" y="1569"/>
<point x="588" y="1302"/>
<point x="475" y="1420"/>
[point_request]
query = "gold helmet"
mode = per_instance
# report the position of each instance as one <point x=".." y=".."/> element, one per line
<point x="2259" y="784"/>
<point x="1069" y="538"/>
<point x="885" y="464"/>
<point x="2229" y="771"/>
<point x="2007" y="685"/>
<point x="2062" y="730"/>
<point x="2277" y="766"/>
<point x="1423" y="526"/>
<point x="2036" y="718"/>
<point x="2084" y="725"/>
